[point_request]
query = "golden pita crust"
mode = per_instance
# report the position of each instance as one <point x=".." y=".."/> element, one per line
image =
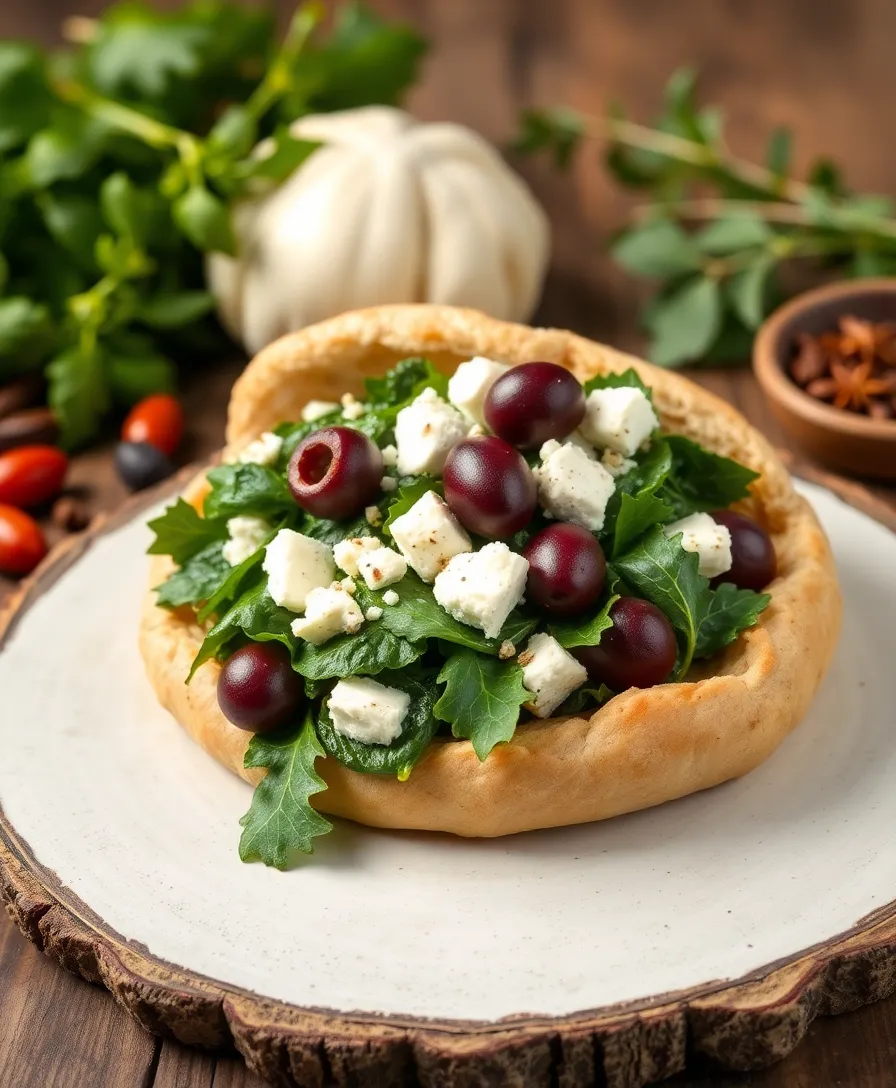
<point x="645" y="746"/>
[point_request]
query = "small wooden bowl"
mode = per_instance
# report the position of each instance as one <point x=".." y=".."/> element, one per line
<point x="844" y="440"/>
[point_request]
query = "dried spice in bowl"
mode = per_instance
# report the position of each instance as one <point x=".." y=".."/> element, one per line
<point x="852" y="367"/>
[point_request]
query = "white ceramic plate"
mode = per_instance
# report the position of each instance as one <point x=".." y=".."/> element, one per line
<point x="142" y="826"/>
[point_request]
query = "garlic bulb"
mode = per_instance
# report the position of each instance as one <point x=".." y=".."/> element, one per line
<point x="387" y="210"/>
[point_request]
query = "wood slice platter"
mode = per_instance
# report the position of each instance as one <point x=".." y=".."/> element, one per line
<point x="718" y="925"/>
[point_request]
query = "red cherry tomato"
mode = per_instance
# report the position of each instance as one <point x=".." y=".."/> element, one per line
<point x="22" y="544"/>
<point x="30" y="475"/>
<point x="158" y="420"/>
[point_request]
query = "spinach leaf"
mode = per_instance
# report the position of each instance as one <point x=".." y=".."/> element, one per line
<point x="254" y="615"/>
<point x="634" y="506"/>
<point x="583" y="632"/>
<point x="370" y="651"/>
<point x="616" y="381"/>
<point x="700" y="480"/>
<point x="482" y="699"/>
<point x="196" y="580"/>
<point x="182" y="533"/>
<point x="399" y="757"/>
<point x="661" y="571"/>
<point x="419" y="616"/>
<point x="232" y="585"/>
<point x="724" y="613"/>
<point x="248" y="489"/>
<point x="585" y="699"/>
<point x="405" y="381"/>
<point x="280" y="821"/>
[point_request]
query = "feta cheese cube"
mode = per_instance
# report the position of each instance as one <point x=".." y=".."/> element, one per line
<point x="296" y="564"/>
<point x="615" y="463"/>
<point x="390" y="456"/>
<point x="263" y="451"/>
<point x="348" y="584"/>
<point x="621" y="418"/>
<point x="482" y="588"/>
<point x="550" y="673"/>
<point x="471" y="382"/>
<point x="373" y="516"/>
<point x="368" y="712"/>
<point x="428" y="535"/>
<point x="425" y="433"/>
<point x="389" y="483"/>
<point x="711" y="542"/>
<point x="314" y="409"/>
<point x="391" y="597"/>
<point x="373" y="613"/>
<point x="328" y="611"/>
<point x="245" y="536"/>
<point x="382" y="567"/>
<point x="574" y="439"/>
<point x="347" y="552"/>
<point x="352" y="408"/>
<point x="572" y="486"/>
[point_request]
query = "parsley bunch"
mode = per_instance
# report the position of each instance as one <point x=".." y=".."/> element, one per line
<point x="717" y="230"/>
<point x="120" y="162"/>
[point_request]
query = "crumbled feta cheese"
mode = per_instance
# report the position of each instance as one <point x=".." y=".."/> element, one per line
<point x="711" y="542"/>
<point x="245" y="536"/>
<point x="328" y="612"/>
<point x="574" y="439"/>
<point x="621" y="418"/>
<point x="572" y="487"/>
<point x="550" y="673"/>
<point x="368" y="712"/>
<point x="388" y="483"/>
<point x="506" y="650"/>
<point x="615" y="463"/>
<point x="373" y="613"/>
<point x="471" y="382"/>
<point x="428" y="535"/>
<point x="382" y="567"/>
<point x="314" y="409"/>
<point x="426" y="432"/>
<point x="373" y="515"/>
<point x="352" y="408"/>
<point x="391" y="597"/>
<point x="482" y="588"/>
<point x="475" y="431"/>
<point x="348" y="584"/>
<point x="263" y="451"/>
<point x="295" y="565"/>
<point x="390" y="456"/>
<point x="347" y="552"/>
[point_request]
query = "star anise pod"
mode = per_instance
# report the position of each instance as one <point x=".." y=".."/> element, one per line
<point x="866" y="339"/>
<point x="853" y="388"/>
<point x="810" y="361"/>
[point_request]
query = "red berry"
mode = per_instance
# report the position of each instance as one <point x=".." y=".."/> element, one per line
<point x="534" y="402"/>
<point x="31" y="475"/>
<point x="567" y="569"/>
<point x="753" y="560"/>
<point x="158" y="420"/>
<point x="489" y="487"/>
<point x="335" y="472"/>
<point x="22" y="544"/>
<point x="638" y="651"/>
<point x="258" y="689"/>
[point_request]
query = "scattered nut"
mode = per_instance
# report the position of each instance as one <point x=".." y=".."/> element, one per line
<point x="31" y="426"/>
<point x="70" y="514"/>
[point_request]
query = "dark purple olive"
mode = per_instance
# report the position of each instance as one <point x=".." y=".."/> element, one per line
<point x="753" y="560"/>
<point x="567" y="569"/>
<point x="534" y="402"/>
<point x="335" y="472"/>
<point x="638" y="651"/>
<point x="489" y="487"/>
<point x="141" y="465"/>
<point x="258" y="689"/>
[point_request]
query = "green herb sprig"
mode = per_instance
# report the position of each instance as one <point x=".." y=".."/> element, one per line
<point x="121" y="161"/>
<point x="717" y="229"/>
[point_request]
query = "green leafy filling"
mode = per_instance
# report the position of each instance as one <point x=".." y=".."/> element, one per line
<point x="482" y="699"/>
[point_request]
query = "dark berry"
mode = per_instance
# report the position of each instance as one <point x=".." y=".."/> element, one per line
<point x="335" y="472"/>
<point x="638" y="651"/>
<point x="258" y="689"/>
<point x="567" y="569"/>
<point x="489" y="487"/>
<point x="534" y="402"/>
